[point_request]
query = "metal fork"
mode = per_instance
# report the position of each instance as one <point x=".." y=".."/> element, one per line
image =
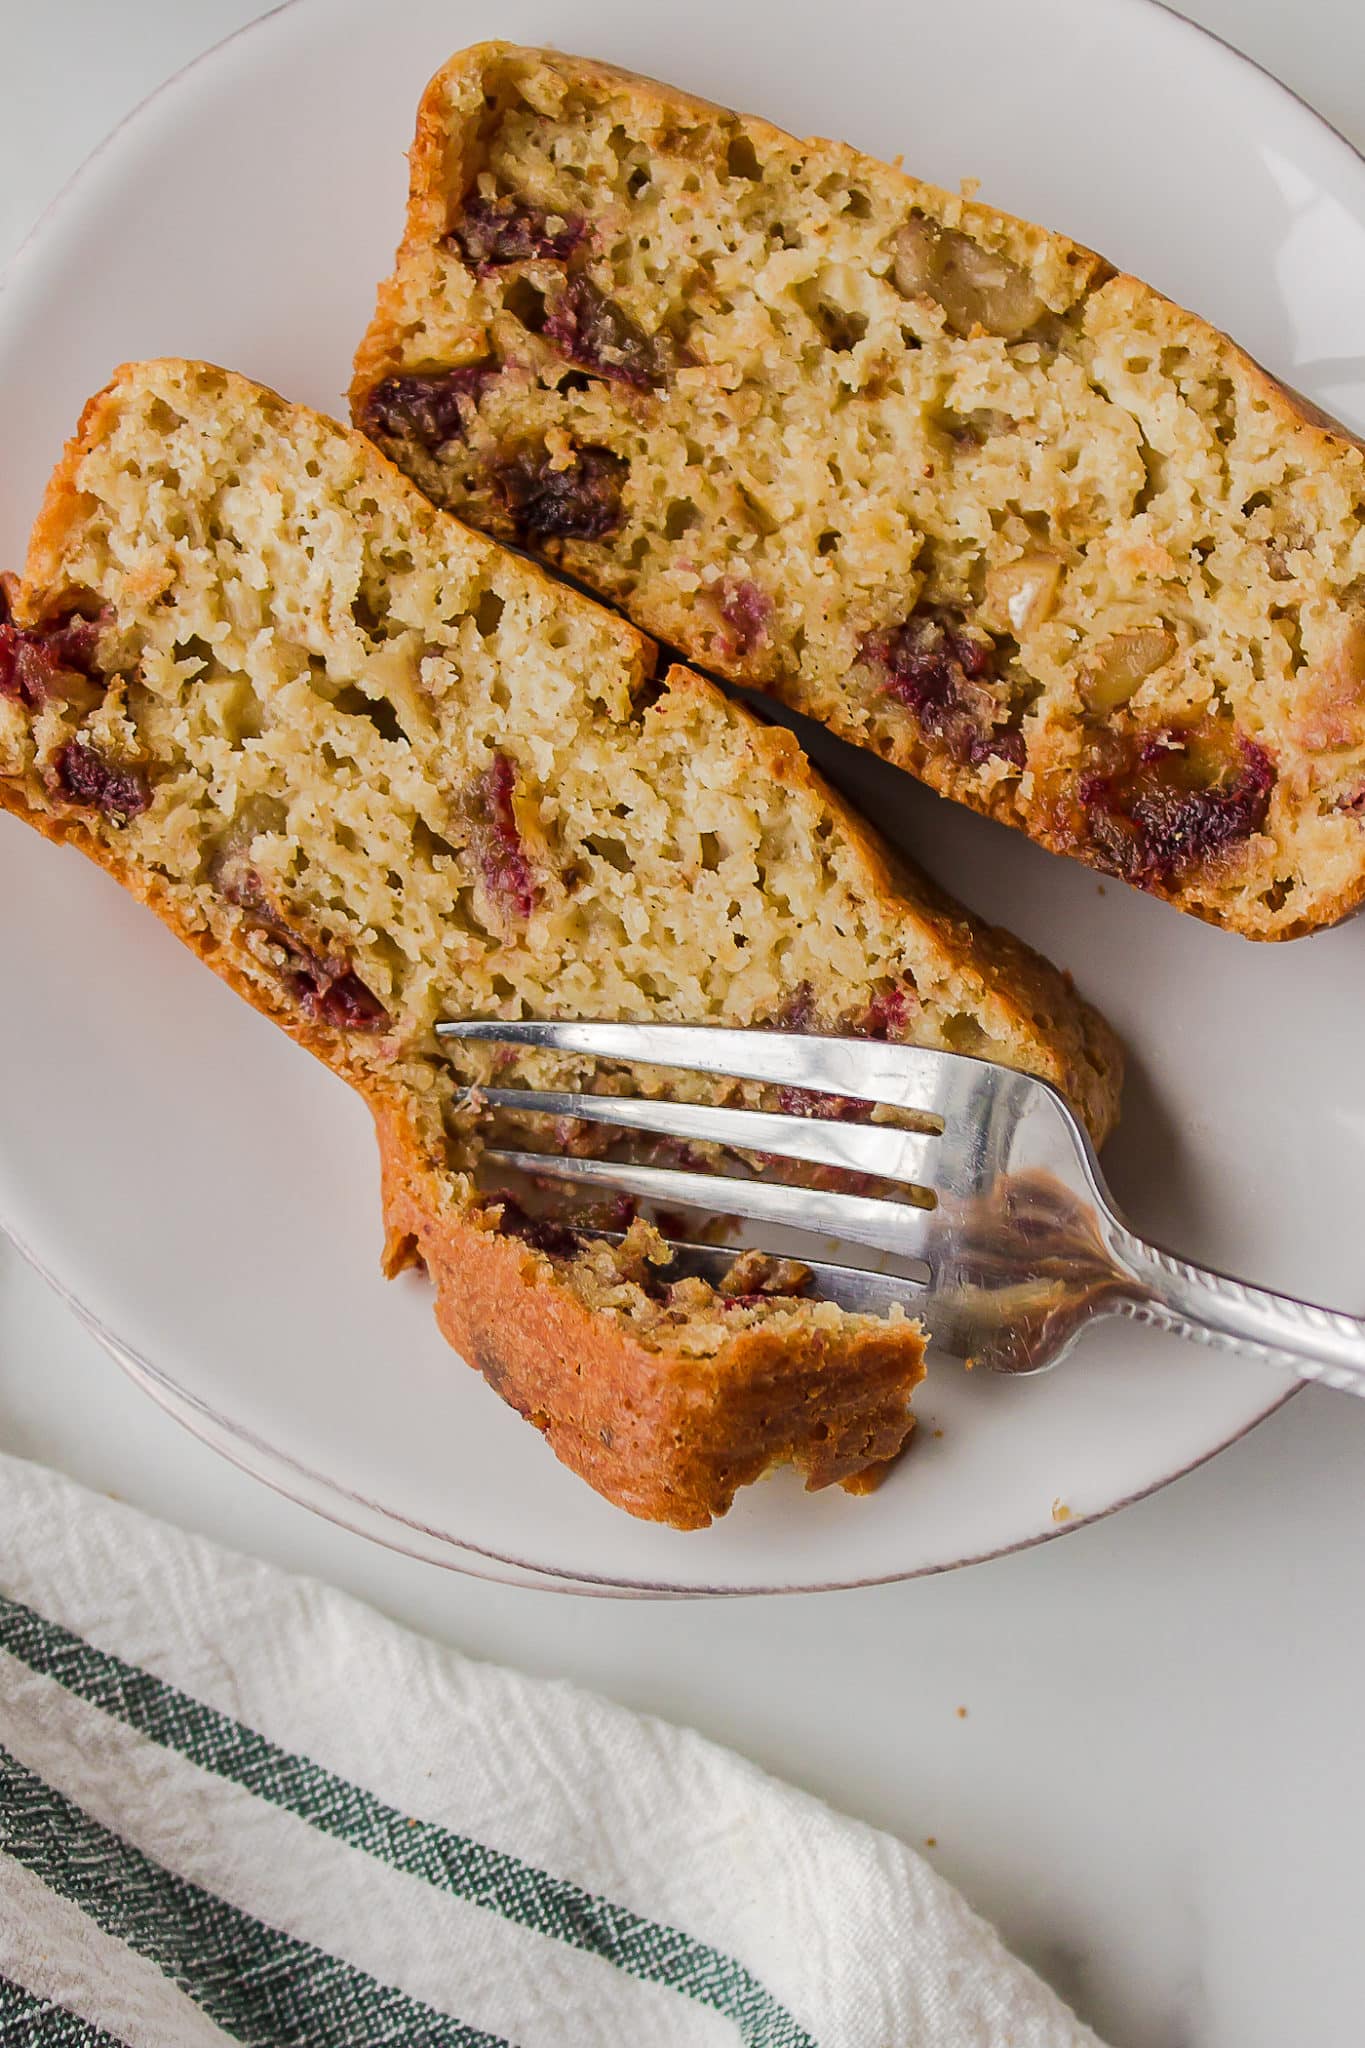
<point x="1019" y="1245"/>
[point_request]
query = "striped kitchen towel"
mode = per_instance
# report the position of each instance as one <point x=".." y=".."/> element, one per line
<point x="238" y="1806"/>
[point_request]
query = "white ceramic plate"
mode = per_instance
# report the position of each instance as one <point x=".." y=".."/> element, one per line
<point x="207" y="1195"/>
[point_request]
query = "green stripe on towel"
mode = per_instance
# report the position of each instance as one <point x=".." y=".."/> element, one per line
<point x="27" y="2021"/>
<point x="253" y="1981"/>
<point x="453" y="1863"/>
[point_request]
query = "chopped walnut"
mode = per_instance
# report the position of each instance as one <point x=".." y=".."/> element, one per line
<point x="975" y="286"/>
<point x="1116" y="669"/>
<point x="756" y="1273"/>
<point x="1022" y="594"/>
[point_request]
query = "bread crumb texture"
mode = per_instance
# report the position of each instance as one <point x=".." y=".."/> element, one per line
<point x="932" y="475"/>
<point x="377" y="771"/>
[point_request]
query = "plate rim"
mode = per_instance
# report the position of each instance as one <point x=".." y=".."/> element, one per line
<point x="329" y="1498"/>
<point x="307" y="1488"/>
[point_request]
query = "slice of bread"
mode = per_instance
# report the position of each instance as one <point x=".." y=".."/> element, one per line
<point x="376" y="770"/>
<point x="931" y="475"/>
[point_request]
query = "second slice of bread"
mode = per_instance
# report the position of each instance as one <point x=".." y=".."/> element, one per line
<point x="932" y="475"/>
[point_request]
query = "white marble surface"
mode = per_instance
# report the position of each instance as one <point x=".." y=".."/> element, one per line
<point x="1158" y="1790"/>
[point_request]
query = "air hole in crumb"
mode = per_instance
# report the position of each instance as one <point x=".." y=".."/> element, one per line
<point x="741" y="158"/>
<point x="1154" y="476"/>
<point x="1279" y="892"/>
<point x="710" y="851"/>
<point x="842" y="330"/>
<point x="488" y="613"/>
<point x="162" y="417"/>
<point x="637" y="182"/>
<point x="613" y="851"/>
<point x="681" y="515"/>
<point x="194" y="649"/>
<point x="760" y="517"/>
<point x="365" y="615"/>
<point x="857" y="203"/>
<point x="963" y="1033"/>
<point x="378" y="710"/>
<point x="429" y="844"/>
<point x="526" y="304"/>
<point x="839" y="329"/>
<point x="828" y="542"/>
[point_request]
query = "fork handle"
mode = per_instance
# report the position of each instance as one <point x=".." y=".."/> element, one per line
<point x="1314" y="1343"/>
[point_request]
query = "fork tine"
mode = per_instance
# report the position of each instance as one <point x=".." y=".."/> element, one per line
<point x="859" y="1219"/>
<point x="860" y="1148"/>
<point x="905" y="1076"/>
<point x="850" y="1287"/>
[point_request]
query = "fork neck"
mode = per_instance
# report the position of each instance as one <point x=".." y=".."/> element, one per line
<point x="1253" y="1322"/>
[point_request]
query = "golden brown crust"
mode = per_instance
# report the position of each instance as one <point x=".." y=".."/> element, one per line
<point x="455" y="112"/>
<point x="670" y="1440"/>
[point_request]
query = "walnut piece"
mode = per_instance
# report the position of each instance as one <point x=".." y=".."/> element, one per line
<point x="1117" y="668"/>
<point x="1022" y="594"/>
<point x="976" y="287"/>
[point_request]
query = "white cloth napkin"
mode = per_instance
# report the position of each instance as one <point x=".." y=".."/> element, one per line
<point x="239" y="1806"/>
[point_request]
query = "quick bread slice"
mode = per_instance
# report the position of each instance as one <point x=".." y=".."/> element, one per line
<point x="929" y="474"/>
<point x="376" y="770"/>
